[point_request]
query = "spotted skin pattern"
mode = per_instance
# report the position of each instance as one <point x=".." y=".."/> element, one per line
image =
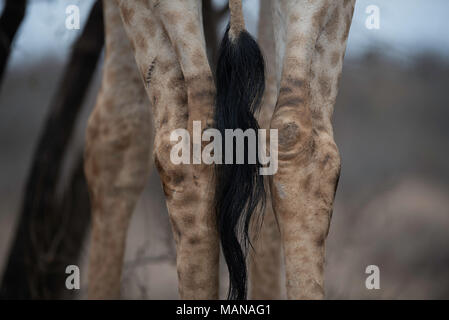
<point x="156" y="79"/>
<point x="178" y="83"/>
<point x="310" y="45"/>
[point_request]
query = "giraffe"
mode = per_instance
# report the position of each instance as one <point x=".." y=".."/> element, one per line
<point x="166" y="41"/>
<point x="297" y="80"/>
<point x="311" y="39"/>
<point x="117" y="154"/>
<point x="265" y="259"/>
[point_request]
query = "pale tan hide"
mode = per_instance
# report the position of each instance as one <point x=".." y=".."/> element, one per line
<point x="304" y="63"/>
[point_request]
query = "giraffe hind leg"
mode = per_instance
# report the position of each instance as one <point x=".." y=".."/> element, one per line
<point x="303" y="189"/>
<point x="117" y="158"/>
<point x="265" y="259"/>
<point x="170" y="52"/>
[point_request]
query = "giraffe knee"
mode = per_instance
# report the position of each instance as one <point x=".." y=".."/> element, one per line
<point x="190" y="229"/>
<point x="328" y="165"/>
<point x="294" y="133"/>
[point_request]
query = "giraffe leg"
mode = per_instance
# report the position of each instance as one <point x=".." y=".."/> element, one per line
<point x="117" y="158"/>
<point x="265" y="259"/>
<point x="170" y="52"/>
<point x="311" y="41"/>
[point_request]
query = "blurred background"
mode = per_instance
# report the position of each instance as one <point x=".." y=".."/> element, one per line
<point x="390" y="123"/>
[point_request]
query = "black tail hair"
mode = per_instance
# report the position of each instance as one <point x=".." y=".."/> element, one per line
<point x="240" y="80"/>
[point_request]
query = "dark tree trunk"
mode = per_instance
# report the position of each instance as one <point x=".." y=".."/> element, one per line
<point x="50" y="233"/>
<point x="73" y="217"/>
<point x="10" y="21"/>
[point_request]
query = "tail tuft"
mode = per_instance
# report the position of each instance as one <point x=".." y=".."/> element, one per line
<point x="240" y="80"/>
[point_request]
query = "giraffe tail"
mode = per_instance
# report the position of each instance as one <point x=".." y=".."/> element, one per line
<point x="239" y="190"/>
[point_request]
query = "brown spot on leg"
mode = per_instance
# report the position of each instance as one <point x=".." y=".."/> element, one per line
<point x="294" y="18"/>
<point x="288" y="134"/>
<point x="199" y="80"/>
<point x="198" y="59"/>
<point x="335" y="58"/>
<point x="189" y="220"/>
<point x="173" y="17"/>
<point x="332" y="25"/>
<point x="203" y="94"/>
<point x="141" y="42"/>
<point x="192" y="27"/>
<point x="307" y="182"/>
<point x="284" y="90"/>
<point x="290" y="102"/>
<point x="127" y="14"/>
<point x="182" y="100"/>
<point x="150" y="27"/>
<point x="178" y="177"/>
<point x="122" y="143"/>
<point x="325" y="86"/>
<point x="176" y="83"/>
<point x="317" y="115"/>
<point x="146" y="3"/>
<point x="166" y="66"/>
<point x="194" y="240"/>
<point x="296" y="82"/>
<point x="320" y="15"/>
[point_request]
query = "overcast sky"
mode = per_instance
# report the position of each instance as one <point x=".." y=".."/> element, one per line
<point x="406" y="27"/>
